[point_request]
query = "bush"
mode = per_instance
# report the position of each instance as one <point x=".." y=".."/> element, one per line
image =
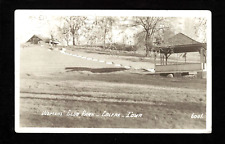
<point x="130" y="48"/>
<point x="116" y="46"/>
<point x="121" y="47"/>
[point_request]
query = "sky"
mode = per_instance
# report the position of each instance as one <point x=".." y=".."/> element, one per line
<point x="30" y="23"/>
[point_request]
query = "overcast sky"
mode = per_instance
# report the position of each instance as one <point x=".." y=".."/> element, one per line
<point x="30" y="23"/>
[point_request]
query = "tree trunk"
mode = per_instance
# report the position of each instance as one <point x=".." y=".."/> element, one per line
<point x="74" y="41"/>
<point x="67" y="42"/>
<point x="104" y="38"/>
<point x="146" y="45"/>
<point x="146" y="54"/>
<point x="166" y="55"/>
<point x="154" y="58"/>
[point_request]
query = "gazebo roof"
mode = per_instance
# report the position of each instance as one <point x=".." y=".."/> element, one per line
<point x="180" y="43"/>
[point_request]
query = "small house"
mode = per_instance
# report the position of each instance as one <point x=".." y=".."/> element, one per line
<point x="35" y="39"/>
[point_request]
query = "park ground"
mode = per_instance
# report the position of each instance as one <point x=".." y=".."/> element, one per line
<point x="54" y="87"/>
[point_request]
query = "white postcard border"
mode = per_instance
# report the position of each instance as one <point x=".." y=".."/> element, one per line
<point x="163" y="13"/>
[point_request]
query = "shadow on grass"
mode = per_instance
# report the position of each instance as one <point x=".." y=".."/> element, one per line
<point x="94" y="70"/>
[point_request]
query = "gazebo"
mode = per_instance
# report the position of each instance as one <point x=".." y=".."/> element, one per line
<point x="180" y="43"/>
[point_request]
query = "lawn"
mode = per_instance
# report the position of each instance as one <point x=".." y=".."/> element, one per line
<point x="58" y="90"/>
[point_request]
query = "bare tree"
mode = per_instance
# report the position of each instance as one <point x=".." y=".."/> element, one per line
<point x="64" y="32"/>
<point x="200" y="31"/>
<point x="92" y="33"/>
<point x="200" y="27"/>
<point x="106" y="24"/>
<point x="72" y="25"/>
<point x="149" y="25"/>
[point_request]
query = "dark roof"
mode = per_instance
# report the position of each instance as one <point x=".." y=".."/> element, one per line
<point x="180" y="39"/>
<point x="180" y="43"/>
<point x="43" y="37"/>
<point x="40" y="37"/>
<point x="34" y="36"/>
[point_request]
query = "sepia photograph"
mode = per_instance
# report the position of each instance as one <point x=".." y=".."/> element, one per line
<point x="113" y="71"/>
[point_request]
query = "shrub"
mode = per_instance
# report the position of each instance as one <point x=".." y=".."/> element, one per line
<point x="130" y="48"/>
<point x="120" y="47"/>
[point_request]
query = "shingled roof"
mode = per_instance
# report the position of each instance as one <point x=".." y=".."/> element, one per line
<point x="40" y="37"/>
<point x="181" y="43"/>
<point x="179" y="39"/>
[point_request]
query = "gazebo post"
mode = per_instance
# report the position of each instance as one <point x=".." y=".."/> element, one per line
<point x="202" y="58"/>
<point x="166" y="56"/>
<point x="160" y="58"/>
<point x="202" y="73"/>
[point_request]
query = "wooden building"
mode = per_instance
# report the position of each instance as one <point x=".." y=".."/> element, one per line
<point x="35" y="39"/>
